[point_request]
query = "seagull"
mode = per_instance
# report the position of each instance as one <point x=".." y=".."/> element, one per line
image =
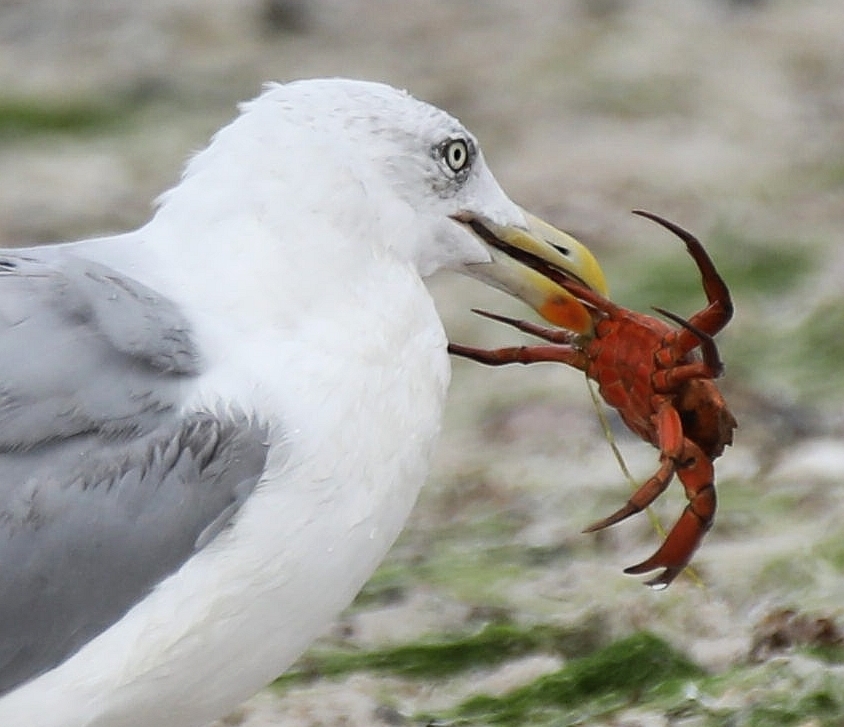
<point x="213" y="428"/>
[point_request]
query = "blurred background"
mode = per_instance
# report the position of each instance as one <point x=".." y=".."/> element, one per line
<point x="726" y="116"/>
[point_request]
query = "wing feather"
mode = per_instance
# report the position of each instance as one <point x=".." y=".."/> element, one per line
<point x="106" y="486"/>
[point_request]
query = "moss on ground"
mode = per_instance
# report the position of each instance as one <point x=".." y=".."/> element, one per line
<point x="468" y="559"/>
<point x="21" y="117"/>
<point x="766" y="700"/>
<point x="641" y="672"/>
<point x="637" y="98"/>
<point x="620" y="674"/>
<point x="492" y="645"/>
<point x="831" y="550"/>
<point x="819" y="704"/>
<point x="805" y="355"/>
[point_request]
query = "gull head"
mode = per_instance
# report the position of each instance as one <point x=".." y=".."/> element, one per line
<point x="377" y="173"/>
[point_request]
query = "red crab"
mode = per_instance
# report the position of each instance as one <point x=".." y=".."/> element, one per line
<point x="648" y="371"/>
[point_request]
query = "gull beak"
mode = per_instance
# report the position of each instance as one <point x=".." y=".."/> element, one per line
<point x="526" y="262"/>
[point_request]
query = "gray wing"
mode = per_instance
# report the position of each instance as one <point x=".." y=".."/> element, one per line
<point x="83" y="348"/>
<point x="104" y="488"/>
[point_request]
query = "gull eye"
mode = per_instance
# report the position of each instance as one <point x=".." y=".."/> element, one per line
<point x="456" y="154"/>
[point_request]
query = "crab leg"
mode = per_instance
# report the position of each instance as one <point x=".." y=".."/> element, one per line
<point x="555" y="335"/>
<point x="640" y="499"/>
<point x="720" y="309"/>
<point x="668" y="378"/>
<point x="560" y="349"/>
<point x="675" y="553"/>
<point x="670" y="438"/>
<point x="714" y="367"/>
<point x="559" y="352"/>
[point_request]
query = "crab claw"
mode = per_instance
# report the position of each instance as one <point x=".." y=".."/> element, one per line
<point x="675" y="553"/>
<point x="694" y="522"/>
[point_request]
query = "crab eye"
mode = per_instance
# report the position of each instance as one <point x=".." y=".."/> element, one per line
<point x="456" y="154"/>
